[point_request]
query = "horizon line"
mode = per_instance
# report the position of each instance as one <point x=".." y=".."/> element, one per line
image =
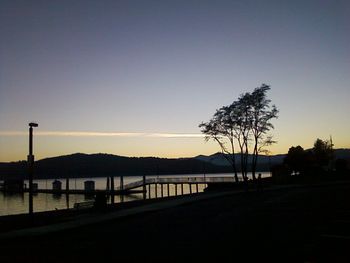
<point x="102" y="134"/>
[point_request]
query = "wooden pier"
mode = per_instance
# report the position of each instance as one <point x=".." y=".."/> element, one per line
<point x="176" y="181"/>
<point x="87" y="192"/>
<point x="144" y="186"/>
<point x="74" y="191"/>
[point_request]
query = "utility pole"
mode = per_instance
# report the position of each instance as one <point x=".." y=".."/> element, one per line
<point x="31" y="165"/>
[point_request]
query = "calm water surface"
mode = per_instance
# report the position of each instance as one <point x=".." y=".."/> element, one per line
<point x="18" y="203"/>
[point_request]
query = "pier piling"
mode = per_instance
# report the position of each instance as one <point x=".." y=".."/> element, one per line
<point x="144" y="187"/>
<point x="107" y="184"/>
<point x="67" y="184"/>
<point x="112" y="189"/>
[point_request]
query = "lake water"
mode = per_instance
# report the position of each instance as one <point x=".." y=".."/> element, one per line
<point x="18" y="203"/>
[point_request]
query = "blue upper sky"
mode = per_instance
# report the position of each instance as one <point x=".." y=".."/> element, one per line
<point x="163" y="67"/>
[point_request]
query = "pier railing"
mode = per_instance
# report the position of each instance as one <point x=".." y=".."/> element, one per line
<point x="147" y="181"/>
<point x="177" y="180"/>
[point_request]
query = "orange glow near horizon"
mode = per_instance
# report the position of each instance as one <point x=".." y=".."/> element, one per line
<point x="132" y="144"/>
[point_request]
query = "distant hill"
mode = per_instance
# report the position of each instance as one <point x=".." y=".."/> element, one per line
<point x="219" y="159"/>
<point x="263" y="160"/>
<point x="95" y="165"/>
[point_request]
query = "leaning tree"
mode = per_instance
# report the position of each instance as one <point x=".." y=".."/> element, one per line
<point x="221" y="129"/>
<point x="261" y="115"/>
<point x="245" y="123"/>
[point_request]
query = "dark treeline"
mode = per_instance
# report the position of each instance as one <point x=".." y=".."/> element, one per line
<point x="322" y="161"/>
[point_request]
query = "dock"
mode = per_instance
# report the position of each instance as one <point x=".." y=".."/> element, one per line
<point x="143" y="186"/>
<point x="178" y="182"/>
<point x="87" y="192"/>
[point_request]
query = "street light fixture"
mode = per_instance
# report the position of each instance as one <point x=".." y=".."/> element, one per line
<point x="31" y="165"/>
<point x="33" y="124"/>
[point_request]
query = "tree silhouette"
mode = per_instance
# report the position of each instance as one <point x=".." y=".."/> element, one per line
<point x="262" y="114"/>
<point x="295" y="159"/>
<point x="246" y="123"/>
<point x="310" y="161"/>
<point x="221" y="128"/>
<point x="323" y="152"/>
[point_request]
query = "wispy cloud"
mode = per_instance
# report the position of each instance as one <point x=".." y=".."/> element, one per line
<point x="102" y="134"/>
<point x="176" y="135"/>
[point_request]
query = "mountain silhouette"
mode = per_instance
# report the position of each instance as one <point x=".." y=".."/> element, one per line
<point x="100" y="165"/>
<point x="95" y="165"/>
<point x="219" y="159"/>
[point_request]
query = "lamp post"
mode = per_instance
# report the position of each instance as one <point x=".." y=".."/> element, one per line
<point x="31" y="164"/>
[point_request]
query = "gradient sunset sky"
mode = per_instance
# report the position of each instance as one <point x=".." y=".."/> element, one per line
<point x="135" y="78"/>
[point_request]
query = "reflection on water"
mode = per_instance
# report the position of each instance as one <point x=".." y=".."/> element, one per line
<point x="18" y="203"/>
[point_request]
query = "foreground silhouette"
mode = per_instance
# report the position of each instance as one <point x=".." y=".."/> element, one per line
<point x="295" y="224"/>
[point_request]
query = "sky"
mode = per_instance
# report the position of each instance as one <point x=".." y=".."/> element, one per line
<point x="136" y="78"/>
